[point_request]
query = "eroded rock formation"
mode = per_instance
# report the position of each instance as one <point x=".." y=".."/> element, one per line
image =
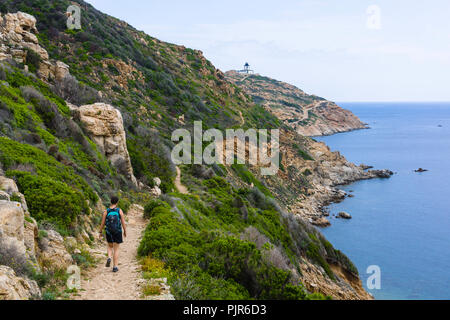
<point x="13" y="287"/>
<point x="104" y="125"/>
<point x="20" y="241"/>
<point x="18" y="36"/>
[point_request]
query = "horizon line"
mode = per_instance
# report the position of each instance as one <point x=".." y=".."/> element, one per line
<point x="392" y="101"/>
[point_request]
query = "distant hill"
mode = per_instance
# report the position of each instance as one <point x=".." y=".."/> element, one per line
<point x="309" y="115"/>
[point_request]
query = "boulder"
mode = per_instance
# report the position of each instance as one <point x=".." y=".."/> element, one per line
<point x="155" y="191"/>
<point x="104" y="125"/>
<point x="18" y="35"/>
<point x="157" y="181"/>
<point x="12" y="219"/>
<point x="382" y="173"/>
<point x="30" y="234"/>
<point x="13" y="287"/>
<point x="61" y="70"/>
<point x="321" y="222"/>
<point x="54" y="254"/>
<point x="15" y="230"/>
<point x="8" y="185"/>
<point x="344" y="215"/>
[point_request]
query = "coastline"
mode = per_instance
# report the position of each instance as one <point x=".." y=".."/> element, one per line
<point x="339" y="132"/>
<point x="330" y="170"/>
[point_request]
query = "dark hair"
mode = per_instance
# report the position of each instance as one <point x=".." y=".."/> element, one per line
<point x="114" y="200"/>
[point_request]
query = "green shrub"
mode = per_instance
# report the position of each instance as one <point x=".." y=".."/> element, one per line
<point x="15" y="197"/>
<point x="153" y="204"/>
<point x="32" y="60"/>
<point x="248" y="177"/>
<point x="51" y="200"/>
<point x="13" y="153"/>
<point x="302" y="153"/>
<point x="124" y="204"/>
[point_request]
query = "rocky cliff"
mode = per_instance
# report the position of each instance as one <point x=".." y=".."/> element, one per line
<point x="309" y="115"/>
<point x="104" y="125"/>
<point x="18" y="41"/>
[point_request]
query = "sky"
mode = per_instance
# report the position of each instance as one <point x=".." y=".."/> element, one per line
<point x="342" y="50"/>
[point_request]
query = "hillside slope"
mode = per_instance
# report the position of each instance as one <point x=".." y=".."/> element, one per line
<point x="233" y="234"/>
<point x="309" y="115"/>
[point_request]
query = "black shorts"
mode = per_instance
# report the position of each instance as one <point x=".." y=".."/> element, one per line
<point x="114" y="237"/>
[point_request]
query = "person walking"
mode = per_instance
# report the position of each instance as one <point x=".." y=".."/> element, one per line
<point x="113" y="219"/>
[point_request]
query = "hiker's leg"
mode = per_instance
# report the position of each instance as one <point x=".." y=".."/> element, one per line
<point x="116" y="254"/>
<point x="110" y="250"/>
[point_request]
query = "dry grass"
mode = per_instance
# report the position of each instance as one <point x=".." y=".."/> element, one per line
<point x="151" y="290"/>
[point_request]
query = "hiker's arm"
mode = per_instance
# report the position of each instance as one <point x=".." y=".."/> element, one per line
<point x="122" y="219"/>
<point x="103" y="221"/>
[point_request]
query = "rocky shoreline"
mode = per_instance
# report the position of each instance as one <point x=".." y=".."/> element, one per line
<point x="330" y="170"/>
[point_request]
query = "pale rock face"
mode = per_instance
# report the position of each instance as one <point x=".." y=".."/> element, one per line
<point x="8" y="185"/>
<point x="157" y="181"/>
<point x="104" y="125"/>
<point x="156" y="191"/>
<point x="30" y="236"/>
<point x="12" y="219"/>
<point x="55" y="252"/>
<point x="17" y="232"/>
<point x="13" y="287"/>
<point x="61" y="70"/>
<point x="18" y="33"/>
<point x="19" y="30"/>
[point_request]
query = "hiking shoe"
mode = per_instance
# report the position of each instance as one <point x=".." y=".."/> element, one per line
<point x="108" y="262"/>
<point x="115" y="269"/>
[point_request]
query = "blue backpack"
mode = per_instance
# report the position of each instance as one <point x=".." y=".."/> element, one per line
<point x="113" y="224"/>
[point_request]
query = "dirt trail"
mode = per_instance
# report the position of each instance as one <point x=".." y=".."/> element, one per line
<point x="306" y="113"/>
<point x="181" y="188"/>
<point x="101" y="283"/>
<point x="241" y="116"/>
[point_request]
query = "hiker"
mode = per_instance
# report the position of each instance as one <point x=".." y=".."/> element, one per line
<point x="114" y="221"/>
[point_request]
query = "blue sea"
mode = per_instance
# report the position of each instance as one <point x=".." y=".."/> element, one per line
<point x="400" y="224"/>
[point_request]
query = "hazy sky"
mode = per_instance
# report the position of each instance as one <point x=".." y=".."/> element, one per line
<point x="324" y="47"/>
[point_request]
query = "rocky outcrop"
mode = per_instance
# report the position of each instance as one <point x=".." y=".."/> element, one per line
<point x="104" y="125"/>
<point x="328" y="171"/>
<point x="344" y="287"/>
<point x="321" y="222"/>
<point x="18" y="228"/>
<point x="156" y="191"/>
<point x="19" y="235"/>
<point x="54" y="254"/>
<point x="344" y="215"/>
<point x="13" y="287"/>
<point x="18" y="36"/>
<point x="8" y="185"/>
<point x="309" y="115"/>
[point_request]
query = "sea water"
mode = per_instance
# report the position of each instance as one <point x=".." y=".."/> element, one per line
<point x="401" y="224"/>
